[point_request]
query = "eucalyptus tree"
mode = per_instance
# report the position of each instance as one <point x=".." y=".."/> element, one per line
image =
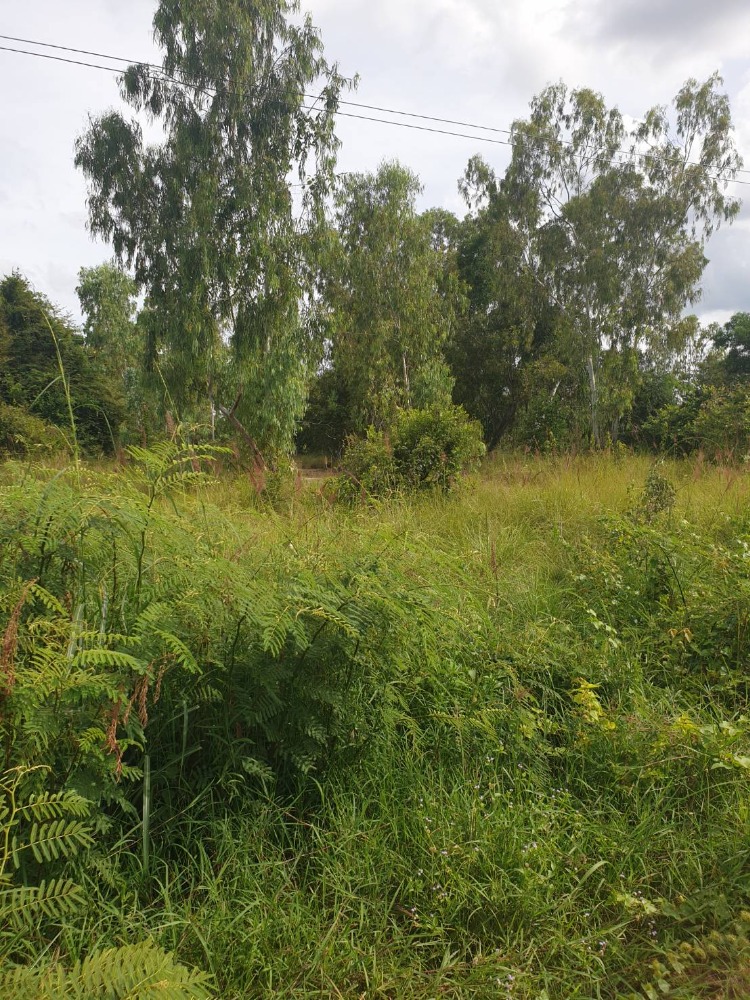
<point x="505" y="321"/>
<point x="613" y="219"/>
<point x="107" y="295"/>
<point x="389" y="310"/>
<point x="206" y="218"/>
<point x="734" y="340"/>
<point x="118" y="335"/>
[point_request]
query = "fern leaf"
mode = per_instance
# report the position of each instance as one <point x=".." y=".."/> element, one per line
<point x="58" y="839"/>
<point x="180" y="651"/>
<point x="25" y="905"/>
<point x="108" y="658"/>
<point x="50" y="602"/>
<point x="136" y="972"/>
<point x="52" y="805"/>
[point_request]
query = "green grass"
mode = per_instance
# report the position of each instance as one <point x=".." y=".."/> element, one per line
<point x="531" y="780"/>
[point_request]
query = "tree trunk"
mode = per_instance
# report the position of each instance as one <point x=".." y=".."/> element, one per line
<point x="615" y="429"/>
<point x="407" y="391"/>
<point x="594" y="399"/>
<point x="257" y="454"/>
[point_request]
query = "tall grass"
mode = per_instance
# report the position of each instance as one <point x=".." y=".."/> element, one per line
<point x="475" y="746"/>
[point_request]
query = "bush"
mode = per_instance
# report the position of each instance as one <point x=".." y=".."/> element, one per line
<point x="722" y="426"/>
<point x="369" y="467"/>
<point x="427" y="449"/>
<point x="21" y="433"/>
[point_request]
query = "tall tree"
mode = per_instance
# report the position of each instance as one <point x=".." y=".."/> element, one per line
<point x="108" y="302"/>
<point x="734" y="339"/>
<point x="118" y="339"/>
<point x="389" y="316"/>
<point x="617" y="239"/>
<point x="506" y="320"/>
<point x="206" y="219"/>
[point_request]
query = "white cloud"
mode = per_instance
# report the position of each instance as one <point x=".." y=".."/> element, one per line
<point x="470" y="60"/>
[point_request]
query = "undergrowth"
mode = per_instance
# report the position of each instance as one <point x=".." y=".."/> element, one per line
<point x="493" y="745"/>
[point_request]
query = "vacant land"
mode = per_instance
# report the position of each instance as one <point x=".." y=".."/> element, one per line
<point x="491" y="744"/>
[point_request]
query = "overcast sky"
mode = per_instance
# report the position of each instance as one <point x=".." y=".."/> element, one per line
<point x="471" y="60"/>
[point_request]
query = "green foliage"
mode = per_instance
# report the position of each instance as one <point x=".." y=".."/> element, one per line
<point x="432" y="747"/>
<point x="206" y="219"/>
<point x="432" y="447"/>
<point x="22" y="434"/>
<point x="131" y="972"/>
<point x="328" y="416"/>
<point x="425" y="449"/>
<point x="369" y="468"/>
<point x="549" y="417"/>
<point x="119" y="342"/>
<point x="734" y="340"/>
<point x="31" y="378"/>
<point x="616" y="243"/>
<point x="670" y="429"/>
<point x="107" y="297"/>
<point x="389" y="305"/>
<point x="506" y="320"/>
<point x="722" y="425"/>
<point x="39" y="827"/>
<point x="658" y="496"/>
<point x="683" y="594"/>
<point x="45" y="828"/>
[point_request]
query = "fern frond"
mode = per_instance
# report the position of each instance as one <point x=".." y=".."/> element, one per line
<point x="108" y="658"/>
<point x="179" y="651"/>
<point x="142" y="971"/>
<point x="24" y="905"/>
<point x="52" y="805"/>
<point x="50" y="602"/>
<point x="51" y="841"/>
<point x="133" y="972"/>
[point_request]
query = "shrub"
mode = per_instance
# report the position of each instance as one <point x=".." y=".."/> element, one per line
<point x="722" y="426"/>
<point x="658" y="496"/>
<point x="433" y="447"/>
<point x="21" y="433"/>
<point x="369" y="467"/>
<point x="426" y="449"/>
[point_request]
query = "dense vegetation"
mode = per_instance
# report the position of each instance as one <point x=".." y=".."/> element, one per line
<point x="491" y="744"/>
<point x="443" y="724"/>
<point x="284" y="306"/>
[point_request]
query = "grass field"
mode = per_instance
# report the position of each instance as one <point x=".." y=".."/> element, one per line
<point x="488" y="745"/>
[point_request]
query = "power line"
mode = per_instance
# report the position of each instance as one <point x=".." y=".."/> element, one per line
<point x="627" y="154"/>
<point x="192" y="86"/>
<point x="62" y="59"/>
<point x="353" y="104"/>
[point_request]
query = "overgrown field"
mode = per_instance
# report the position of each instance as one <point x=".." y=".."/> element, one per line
<point x="489" y="745"/>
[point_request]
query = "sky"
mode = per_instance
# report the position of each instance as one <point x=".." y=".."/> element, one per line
<point x="478" y="61"/>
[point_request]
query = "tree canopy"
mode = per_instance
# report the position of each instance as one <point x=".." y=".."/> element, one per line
<point x="207" y="218"/>
<point x="32" y="331"/>
<point x="612" y="221"/>
<point x="389" y="313"/>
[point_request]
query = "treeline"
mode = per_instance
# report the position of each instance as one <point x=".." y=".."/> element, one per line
<point x="284" y="305"/>
<point x="695" y="395"/>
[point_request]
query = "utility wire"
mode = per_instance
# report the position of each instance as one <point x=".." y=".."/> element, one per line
<point x="353" y="104"/>
<point x="193" y="86"/>
<point x="158" y="70"/>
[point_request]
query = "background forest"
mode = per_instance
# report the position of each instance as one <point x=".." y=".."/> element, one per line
<point x="468" y="715"/>
<point x="297" y="315"/>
